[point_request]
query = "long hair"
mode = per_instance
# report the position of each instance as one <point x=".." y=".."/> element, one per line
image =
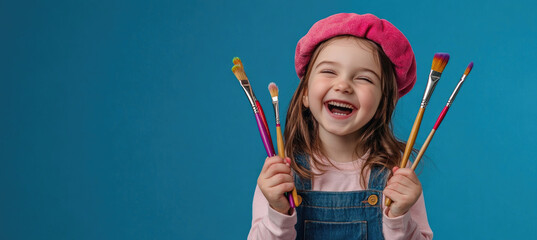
<point x="301" y="128"/>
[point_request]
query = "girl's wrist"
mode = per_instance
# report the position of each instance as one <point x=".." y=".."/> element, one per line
<point x="391" y="214"/>
<point x="287" y="211"/>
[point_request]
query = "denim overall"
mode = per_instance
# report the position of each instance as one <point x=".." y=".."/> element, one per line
<point x="340" y="215"/>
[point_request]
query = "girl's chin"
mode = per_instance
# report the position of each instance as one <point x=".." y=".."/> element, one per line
<point x="342" y="133"/>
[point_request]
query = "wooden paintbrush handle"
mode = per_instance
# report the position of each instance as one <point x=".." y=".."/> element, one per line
<point x="279" y="140"/>
<point x="294" y="198"/>
<point x="412" y="137"/>
<point x="422" y="150"/>
<point x="410" y="144"/>
<point x="388" y="202"/>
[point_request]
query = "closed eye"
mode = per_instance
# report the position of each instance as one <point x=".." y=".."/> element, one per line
<point x="364" y="79"/>
<point x="328" y="71"/>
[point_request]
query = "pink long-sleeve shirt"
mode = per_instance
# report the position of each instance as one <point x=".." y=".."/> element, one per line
<point x="269" y="224"/>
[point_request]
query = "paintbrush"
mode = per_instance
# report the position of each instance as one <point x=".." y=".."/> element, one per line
<point x="294" y="198"/>
<point x="237" y="61"/>
<point x="442" y="115"/>
<point x="440" y="61"/>
<point x="238" y="70"/>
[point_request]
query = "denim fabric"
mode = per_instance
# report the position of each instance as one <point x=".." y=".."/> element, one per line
<point x="340" y="215"/>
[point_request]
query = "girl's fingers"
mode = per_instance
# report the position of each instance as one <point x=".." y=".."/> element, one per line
<point x="401" y="182"/>
<point x="283" y="188"/>
<point x="399" y="198"/>
<point x="394" y="190"/>
<point x="407" y="172"/>
<point x="275" y="193"/>
<point x="277" y="168"/>
<point x="404" y="188"/>
<point x="404" y="185"/>
<point x="392" y="194"/>
<point x="269" y="161"/>
<point x="287" y="160"/>
<point x="279" y="179"/>
<point x="405" y="176"/>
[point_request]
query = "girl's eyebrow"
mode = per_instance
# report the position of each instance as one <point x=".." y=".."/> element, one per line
<point x="371" y="71"/>
<point x="336" y="63"/>
<point x="326" y="62"/>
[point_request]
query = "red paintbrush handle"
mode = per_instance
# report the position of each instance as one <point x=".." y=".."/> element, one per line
<point x="441" y="117"/>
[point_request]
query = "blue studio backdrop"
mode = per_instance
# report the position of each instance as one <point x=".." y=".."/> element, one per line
<point x="123" y="120"/>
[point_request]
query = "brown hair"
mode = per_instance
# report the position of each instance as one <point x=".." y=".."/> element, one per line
<point x="301" y="128"/>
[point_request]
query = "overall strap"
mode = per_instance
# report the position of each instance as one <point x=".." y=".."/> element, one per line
<point x="377" y="178"/>
<point x="300" y="183"/>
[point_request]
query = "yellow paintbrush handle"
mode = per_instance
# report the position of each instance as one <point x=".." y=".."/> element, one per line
<point x="422" y="150"/>
<point x="281" y="152"/>
<point x="279" y="139"/>
<point x="410" y="143"/>
<point x="297" y="198"/>
<point x="412" y="137"/>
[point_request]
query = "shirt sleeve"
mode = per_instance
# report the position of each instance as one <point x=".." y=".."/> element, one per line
<point x="268" y="223"/>
<point x="412" y="225"/>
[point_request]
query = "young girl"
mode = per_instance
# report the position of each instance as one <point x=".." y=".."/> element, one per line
<point x="340" y="145"/>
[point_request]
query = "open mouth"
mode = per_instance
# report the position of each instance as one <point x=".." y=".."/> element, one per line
<point x="340" y="108"/>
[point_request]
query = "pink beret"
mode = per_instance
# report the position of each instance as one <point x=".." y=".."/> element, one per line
<point x="368" y="26"/>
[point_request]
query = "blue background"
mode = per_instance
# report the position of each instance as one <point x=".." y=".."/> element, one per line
<point x="122" y="119"/>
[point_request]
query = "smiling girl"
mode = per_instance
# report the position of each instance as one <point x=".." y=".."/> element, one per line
<point x="342" y="151"/>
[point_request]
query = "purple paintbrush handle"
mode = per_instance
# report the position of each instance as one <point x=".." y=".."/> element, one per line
<point x="268" y="147"/>
<point x="264" y="135"/>
<point x="291" y="200"/>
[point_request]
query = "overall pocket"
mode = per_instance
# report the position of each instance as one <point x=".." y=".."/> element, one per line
<point x="335" y="230"/>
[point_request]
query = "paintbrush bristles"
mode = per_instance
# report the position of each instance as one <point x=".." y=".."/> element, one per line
<point x="273" y="89"/>
<point x="469" y="68"/>
<point x="440" y="61"/>
<point x="237" y="61"/>
<point x="239" y="72"/>
<point x="238" y="69"/>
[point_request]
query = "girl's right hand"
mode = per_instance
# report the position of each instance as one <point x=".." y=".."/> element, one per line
<point x="274" y="180"/>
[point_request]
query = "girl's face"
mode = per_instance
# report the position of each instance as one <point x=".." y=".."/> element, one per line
<point x="344" y="87"/>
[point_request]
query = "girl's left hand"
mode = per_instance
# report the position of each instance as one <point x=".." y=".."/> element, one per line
<point x="404" y="188"/>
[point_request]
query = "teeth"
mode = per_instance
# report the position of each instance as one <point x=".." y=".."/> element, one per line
<point x="339" y="104"/>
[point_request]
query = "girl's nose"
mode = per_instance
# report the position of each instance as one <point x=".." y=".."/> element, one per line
<point x="343" y="86"/>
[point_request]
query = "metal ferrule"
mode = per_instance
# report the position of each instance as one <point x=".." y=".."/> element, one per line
<point x="276" y="112"/>
<point x="249" y="93"/>
<point x="434" y="76"/>
<point x="454" y="94"/>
